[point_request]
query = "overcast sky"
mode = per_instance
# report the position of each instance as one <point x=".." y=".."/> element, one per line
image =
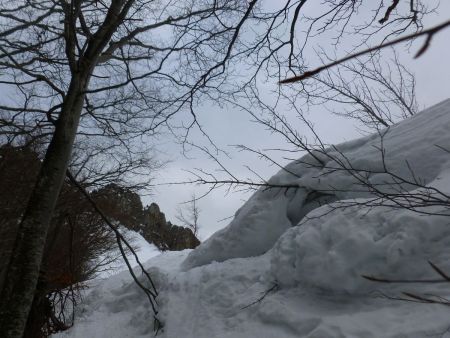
<point x="231" y="126"/>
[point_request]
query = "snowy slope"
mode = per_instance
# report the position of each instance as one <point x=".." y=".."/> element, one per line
<point x="263" y="276"/>
<point x="144" y="249"/>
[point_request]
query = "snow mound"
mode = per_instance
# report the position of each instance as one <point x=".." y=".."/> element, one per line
<point x="237" y="299"/>
<point x="332" y="252"/>
<point x="117" y="307"/>
<point x="287" y="267"/>
<point x="260" y="221"/>
<point x="413" y="149"/>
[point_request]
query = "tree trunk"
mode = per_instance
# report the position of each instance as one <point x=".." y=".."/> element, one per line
<point x="25" y="261"/>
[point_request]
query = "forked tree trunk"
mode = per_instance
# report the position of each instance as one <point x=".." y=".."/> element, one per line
<point x="24" y="264"/>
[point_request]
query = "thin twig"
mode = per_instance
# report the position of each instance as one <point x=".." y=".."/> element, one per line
<point x="272" y="289"/>
<point x="429" y="33"/>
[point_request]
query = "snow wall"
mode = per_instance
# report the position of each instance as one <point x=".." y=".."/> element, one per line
<point x="413" y="149"/>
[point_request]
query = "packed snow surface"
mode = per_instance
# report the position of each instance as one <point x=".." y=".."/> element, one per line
<point x="290" y="266"/>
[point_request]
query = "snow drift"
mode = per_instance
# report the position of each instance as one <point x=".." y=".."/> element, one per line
<point x="332" y="252"/>
<point x="413" y="147"/>
<point x="288" y="266"/>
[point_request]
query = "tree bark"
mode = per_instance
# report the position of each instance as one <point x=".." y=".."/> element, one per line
<point x="24" y="264"/>
<point x="25" y="261"/>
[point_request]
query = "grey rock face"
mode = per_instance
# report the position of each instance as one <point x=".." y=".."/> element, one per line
<point x="125" y="206"/>
<point x="164" y="234"/>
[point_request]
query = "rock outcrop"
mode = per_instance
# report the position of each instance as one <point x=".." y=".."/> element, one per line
<point x="125" y="206"/>
<point x="121" y="204"/>
<point x="164" y="234"/>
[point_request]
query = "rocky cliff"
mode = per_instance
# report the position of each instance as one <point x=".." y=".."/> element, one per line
<point x="125" y="206"/>
<point x="164" y="234"/>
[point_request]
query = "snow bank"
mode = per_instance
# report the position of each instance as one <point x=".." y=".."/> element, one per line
<point x="332" y="252"/>
<point x="413" y="147"/>
<point x="232" y="300"/>
<point x="259" y="222"/>
<point x="117" y="307"/>
<point x="275" y="280"/>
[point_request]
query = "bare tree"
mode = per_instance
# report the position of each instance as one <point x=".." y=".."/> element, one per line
<point x="78" y="247"/>
<point x="91" y="67"/>
<point x="116" y="71"/>
<point x="189" y="215"/>
<point x="375" y="93"/>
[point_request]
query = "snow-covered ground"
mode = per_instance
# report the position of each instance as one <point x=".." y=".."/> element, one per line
<point x="144" y="250"/>
<point x="272" y="272"/>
